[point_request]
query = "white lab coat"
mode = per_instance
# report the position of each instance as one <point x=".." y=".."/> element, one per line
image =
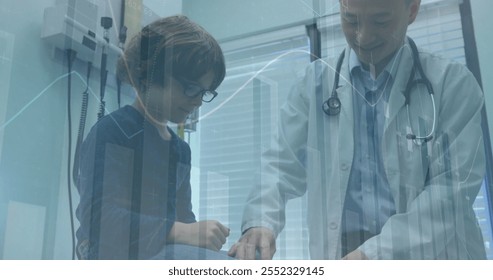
<point x="433" y="185"/>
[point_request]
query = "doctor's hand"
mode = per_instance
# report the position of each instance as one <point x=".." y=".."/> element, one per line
<point x="356" y="255"/>
<point x="206" y="234"/>
<point x="256" y="238"/>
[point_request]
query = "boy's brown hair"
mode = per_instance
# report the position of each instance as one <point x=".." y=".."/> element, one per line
<point x="171" y="47"/>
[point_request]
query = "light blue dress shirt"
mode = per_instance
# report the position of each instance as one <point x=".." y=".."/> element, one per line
<point x="369" y="202"/>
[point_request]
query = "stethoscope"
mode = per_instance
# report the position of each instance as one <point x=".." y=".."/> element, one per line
<point x="332" y="106"/>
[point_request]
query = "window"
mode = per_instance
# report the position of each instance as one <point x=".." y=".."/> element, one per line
<point x="238" y="125"/>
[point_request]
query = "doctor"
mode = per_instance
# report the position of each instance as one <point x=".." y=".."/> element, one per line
<point x="391" y="159"/>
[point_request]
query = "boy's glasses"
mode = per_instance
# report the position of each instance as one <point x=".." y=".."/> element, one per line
<point x="192" y="90"/>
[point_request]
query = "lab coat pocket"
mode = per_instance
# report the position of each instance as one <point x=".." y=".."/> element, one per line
<point x="406" y="164"/>
<point x="413" y="161"/>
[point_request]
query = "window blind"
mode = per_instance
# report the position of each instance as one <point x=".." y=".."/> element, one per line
<point x="239" y="125"/>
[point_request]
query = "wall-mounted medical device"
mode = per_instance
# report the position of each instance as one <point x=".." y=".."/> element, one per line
<point x="76" y="29"/>
<point x="73" y="24"/>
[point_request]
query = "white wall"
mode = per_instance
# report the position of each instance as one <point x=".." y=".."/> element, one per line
<point x="33" y="125"/>
<point x="232" y="18"/>
<point x="33" y="132"/>
<point x="164" y="8"/>
<point x="31" y="161"/>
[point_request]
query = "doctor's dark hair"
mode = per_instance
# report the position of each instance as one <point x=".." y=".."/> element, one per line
<point x="171" y="47"/>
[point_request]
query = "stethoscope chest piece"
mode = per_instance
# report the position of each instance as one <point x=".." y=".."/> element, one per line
<point x="332" y="106"/>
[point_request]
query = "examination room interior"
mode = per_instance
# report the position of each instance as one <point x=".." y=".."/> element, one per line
<point x="266" y="43"/>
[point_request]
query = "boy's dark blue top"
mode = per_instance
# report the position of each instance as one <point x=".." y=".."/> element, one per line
<point x="133" y="186"/>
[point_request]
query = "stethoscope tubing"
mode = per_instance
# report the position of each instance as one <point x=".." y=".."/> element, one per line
<point x="422" y="139"/>
<point x="332" y="106"/>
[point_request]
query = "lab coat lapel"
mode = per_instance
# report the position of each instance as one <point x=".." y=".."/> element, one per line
<point x="394" y="115"/>
<point x="346" y="125"/>
<point x="397" y="100"/>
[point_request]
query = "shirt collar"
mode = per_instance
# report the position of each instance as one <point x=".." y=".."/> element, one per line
<point x="359" y="72"/>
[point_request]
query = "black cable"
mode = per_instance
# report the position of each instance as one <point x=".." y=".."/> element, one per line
<point x="82" y="124"/>
<point x="106" y="23"/>
<point x="70" y="57"/>
<point x="122" y="37"/>
<point x="102" y="88"/>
